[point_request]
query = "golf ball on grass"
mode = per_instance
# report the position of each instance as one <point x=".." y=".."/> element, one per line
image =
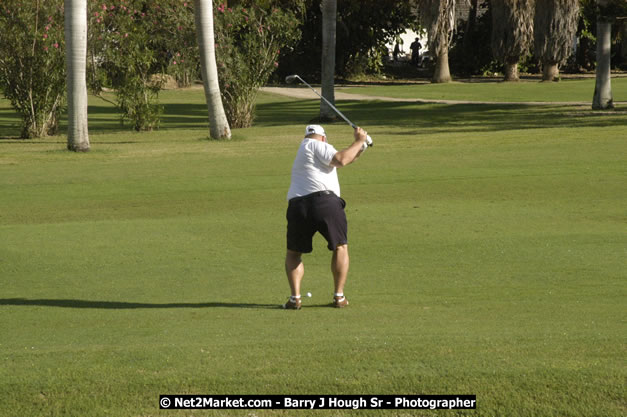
<point x="309" y="294"/>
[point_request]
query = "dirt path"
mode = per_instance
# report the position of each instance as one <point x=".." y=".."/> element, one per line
<point x="306" y="93"/>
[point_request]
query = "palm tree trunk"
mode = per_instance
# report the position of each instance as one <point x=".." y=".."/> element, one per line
<point x="329" y="21"/>
<point x="442" y="73"/>
<point x="511" y="71"/>
<point x="76" y="64"/>
<point x="603" y="87"/>
<point x="550" y="71"/>
<point x="218" y="124"/>
<point x="438" y="17"/>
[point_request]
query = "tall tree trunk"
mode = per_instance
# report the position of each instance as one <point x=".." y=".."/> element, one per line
<point x="329" y="21"/>
<point x="76" y="64"/>
<point x="550" y="71"/>
<point x="512" y="33"/>
<point x="554" y="28"/>
<point x="511" y="71"/>
<point x="438" y="17"/>
<point x="470" y="25"/>
<point x="442" y="74"/>
<point x="623" y="43"/>
<point x="218" y="123"/>
<point x="603" y="87"/>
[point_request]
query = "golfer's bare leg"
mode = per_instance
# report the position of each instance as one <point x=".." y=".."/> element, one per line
<point x="295" y="270"/>
<point x="339" y="267"/>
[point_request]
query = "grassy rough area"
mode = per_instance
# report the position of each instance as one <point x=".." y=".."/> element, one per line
<point x="487" y="243"/>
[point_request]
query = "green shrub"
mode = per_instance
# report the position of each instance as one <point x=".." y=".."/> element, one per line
<point x="248" y="43"/>
<point x="32" y="63"/>
<point x="123" y="58"/>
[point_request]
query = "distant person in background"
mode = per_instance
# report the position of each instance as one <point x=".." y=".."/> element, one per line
<point x="397" y="50"/>
<point x="415" y="51"/>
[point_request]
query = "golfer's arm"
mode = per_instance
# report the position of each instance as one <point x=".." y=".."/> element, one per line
<point x="348" y="155"/>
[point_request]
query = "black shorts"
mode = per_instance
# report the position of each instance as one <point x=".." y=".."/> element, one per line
<point x="318" y="212"/>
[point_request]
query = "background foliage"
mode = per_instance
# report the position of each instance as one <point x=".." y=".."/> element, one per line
<point x="32" y="62"/>
<point x="363" y="28"/>
<point x="248" y="43"/>
<point x="124" y="50"/>
<point x="133" y="43"/>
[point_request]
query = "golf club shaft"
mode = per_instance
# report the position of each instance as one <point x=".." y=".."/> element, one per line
<point x="327" y="101"/>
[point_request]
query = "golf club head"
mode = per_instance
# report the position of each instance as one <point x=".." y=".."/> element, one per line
<point x="291" y="78"/>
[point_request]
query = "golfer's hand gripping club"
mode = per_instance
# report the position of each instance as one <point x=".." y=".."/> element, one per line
<point x="362" y="136"/>
<point x="367" y="143"/>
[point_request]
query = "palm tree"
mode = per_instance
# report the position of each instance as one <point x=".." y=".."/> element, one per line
<point x="602" y="98"/>
<point x="607" y="10"/>
<point x="329" y="20"/>
<point x="218" y="124"/>
<point x="512" y="33"/>
<point x="438" y="16"/>
<point x="76" y="63"/>
<point x="555" y="26"/>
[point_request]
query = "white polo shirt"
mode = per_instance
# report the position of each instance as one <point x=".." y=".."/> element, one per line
<point x="312" y="171"/>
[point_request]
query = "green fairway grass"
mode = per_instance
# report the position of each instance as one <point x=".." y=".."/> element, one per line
<point x="488" y="249"/>
<point x="567" y="90"/>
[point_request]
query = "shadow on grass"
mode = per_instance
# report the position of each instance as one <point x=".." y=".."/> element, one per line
<point x="121" y="305"/>
<point x="9" y="124"/>
<point x="185" y="116"/>
<point x="104" y="118"/>
<point x="415" y="118"/>
<point x="431" y="118"/>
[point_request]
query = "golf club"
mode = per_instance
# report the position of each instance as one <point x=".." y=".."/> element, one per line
<point x="291" y="78"/>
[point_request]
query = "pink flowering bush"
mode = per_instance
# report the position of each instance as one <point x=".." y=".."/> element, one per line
<point x="32" y="63"/>
<point x="123" y="57"/>
<point x="248" y="43"/>
<point x="179" y="45"/>
<point x="131" y="44"/>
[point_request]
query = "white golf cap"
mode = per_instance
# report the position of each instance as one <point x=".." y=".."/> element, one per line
<point x="317" y="129"/>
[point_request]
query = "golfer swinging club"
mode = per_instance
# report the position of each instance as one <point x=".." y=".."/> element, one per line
<point x="315" y="206"/>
